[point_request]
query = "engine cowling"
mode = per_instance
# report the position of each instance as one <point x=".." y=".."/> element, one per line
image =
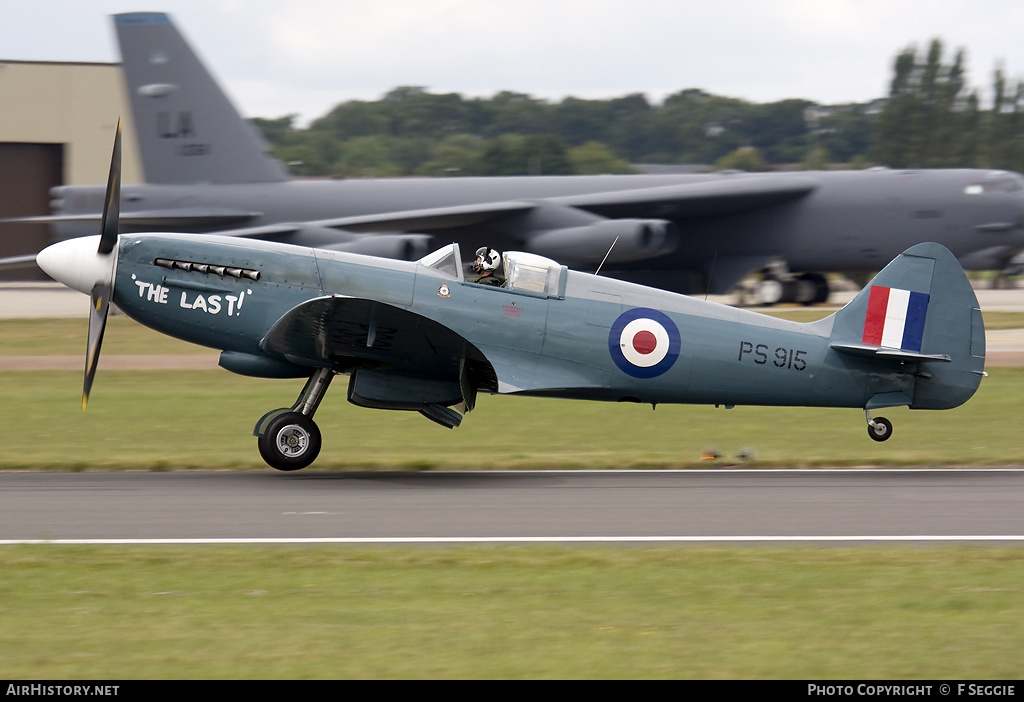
<point x="622" y="240"/>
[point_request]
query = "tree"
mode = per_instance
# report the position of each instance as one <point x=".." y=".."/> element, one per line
<point x="408" y="131"/>
<point x="455" y="156"/>
<point x="746" y="158"/>
<point x="514" y="154"/>
<point x="278" y="131"/>
<point x="594" y="158"/>
<point x="779" y="130"/>
<point x="578" y="121"/>
<point x="930" y="120"/>
<point x="517" y="113"/>
<point x="354" y="118"/>
<point x="367" y="157"/>
<point x="816" y="160"/>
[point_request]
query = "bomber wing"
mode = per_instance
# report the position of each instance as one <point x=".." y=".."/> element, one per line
<point x="728" y="195"/>
<point x="422" y="220"/>
<point x="734" y="194"/>
<point x="171" y="219"/>
<point x="528" y="218"/>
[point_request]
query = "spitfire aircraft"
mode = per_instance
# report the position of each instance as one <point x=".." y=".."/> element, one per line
<point x="208" y="171"/>
<point x="420" y="336"/>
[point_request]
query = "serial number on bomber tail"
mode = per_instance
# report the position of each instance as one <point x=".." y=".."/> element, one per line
<point x="780" y="357"/>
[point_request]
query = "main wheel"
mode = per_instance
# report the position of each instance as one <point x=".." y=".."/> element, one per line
<point x="881" y="430"/>
<point x="815" y="289"/>
<point x="290" y="442"/>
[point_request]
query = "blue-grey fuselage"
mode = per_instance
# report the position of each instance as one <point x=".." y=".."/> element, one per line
<point x="555" y="342"/>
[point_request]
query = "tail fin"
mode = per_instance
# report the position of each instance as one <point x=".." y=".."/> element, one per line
<point x="188" y="130"/>
<point x="920" y="314"/>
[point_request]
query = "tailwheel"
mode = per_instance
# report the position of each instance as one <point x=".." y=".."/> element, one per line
<point x="291" y="441"/>
<point x="879" y="428"/>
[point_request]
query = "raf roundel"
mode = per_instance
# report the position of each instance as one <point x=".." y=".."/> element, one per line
<point x="644" y="343"/>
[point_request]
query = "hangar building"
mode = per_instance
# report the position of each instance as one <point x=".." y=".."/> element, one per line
<point x="57" y="124"/>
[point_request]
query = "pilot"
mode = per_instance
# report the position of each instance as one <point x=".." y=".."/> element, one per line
<point x="486" y="264"/>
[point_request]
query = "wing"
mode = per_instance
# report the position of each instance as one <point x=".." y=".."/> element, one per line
<point x="402" y="360"/>
<point x="424" y="220"/>
<point x="732" y="194"/>
<point x="172" y="219"/>
<point x="397" y="359"/>
<point x="727" y="195"/>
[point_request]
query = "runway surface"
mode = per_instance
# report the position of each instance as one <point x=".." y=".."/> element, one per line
<point x="687" y="506"/>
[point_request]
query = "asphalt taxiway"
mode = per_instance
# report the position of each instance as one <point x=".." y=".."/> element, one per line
<point x="839" y="506"/>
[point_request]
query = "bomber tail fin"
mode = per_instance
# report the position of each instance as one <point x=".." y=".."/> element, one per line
<point x="919" y="312"/>
<point x="188" y="130"/>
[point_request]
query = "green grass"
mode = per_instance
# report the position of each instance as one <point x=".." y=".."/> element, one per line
<point x="477" y="612"/>
<point x="168" y="420"/>
<point x="511" y="612"/>
<point x="60" y="337"/>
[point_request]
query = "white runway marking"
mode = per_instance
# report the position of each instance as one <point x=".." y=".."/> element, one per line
<point x="521" y="539"/>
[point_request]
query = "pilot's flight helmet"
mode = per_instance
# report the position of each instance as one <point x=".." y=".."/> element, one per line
<point x="487" y="259"/>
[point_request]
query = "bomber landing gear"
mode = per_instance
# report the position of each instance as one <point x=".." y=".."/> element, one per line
<point x="288" y="439"/>
<point x="778" y="286"/>
<point x="879" y="428"/>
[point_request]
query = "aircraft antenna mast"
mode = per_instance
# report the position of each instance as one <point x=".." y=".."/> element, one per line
<point x="598" y="271"/>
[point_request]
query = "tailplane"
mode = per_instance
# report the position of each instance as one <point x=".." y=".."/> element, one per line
<point x="188" y="130"/>
<point x="920" y="312"/>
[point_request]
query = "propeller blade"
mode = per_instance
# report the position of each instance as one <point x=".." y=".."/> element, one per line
<point x="103" y="290"/>
<point x="112" y="203"/>
<point x="100" y="299"/>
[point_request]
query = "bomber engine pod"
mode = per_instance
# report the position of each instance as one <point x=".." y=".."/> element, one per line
<point x="620" y="240"/>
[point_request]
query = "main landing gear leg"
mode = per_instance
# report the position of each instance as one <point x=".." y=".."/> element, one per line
<point x="879" y="428"/>
<point x="288" y="439"/>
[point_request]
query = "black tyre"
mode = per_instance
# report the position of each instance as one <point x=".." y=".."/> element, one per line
<point x="881" y="430"/>
<point x="290" y="442"/>
<point x="815" y="289"/>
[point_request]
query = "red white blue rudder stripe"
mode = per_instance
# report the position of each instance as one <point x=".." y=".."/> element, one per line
<point x="644" y="343"/>
<point x="895" y="318"/>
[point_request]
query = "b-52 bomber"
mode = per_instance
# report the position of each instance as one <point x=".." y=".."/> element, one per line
<point x="207" y="171"/>
<point x="419" y="336"/>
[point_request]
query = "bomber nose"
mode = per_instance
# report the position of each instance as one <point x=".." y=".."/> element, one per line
<point x="75" y="263"/>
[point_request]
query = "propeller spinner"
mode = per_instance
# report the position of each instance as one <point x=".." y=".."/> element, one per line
<point x="88" y="265"/>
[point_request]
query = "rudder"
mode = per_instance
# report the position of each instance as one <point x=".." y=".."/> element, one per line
<point x="188" y="130"/>
<point x="919" y="312"/>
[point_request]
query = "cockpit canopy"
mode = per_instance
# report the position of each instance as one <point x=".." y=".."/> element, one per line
<point x="524" y="272"/>
<point x="532" y="273"/>
<point x="446" y="261"/>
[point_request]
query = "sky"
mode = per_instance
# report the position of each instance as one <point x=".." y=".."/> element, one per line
<point x="304" y="57"/>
